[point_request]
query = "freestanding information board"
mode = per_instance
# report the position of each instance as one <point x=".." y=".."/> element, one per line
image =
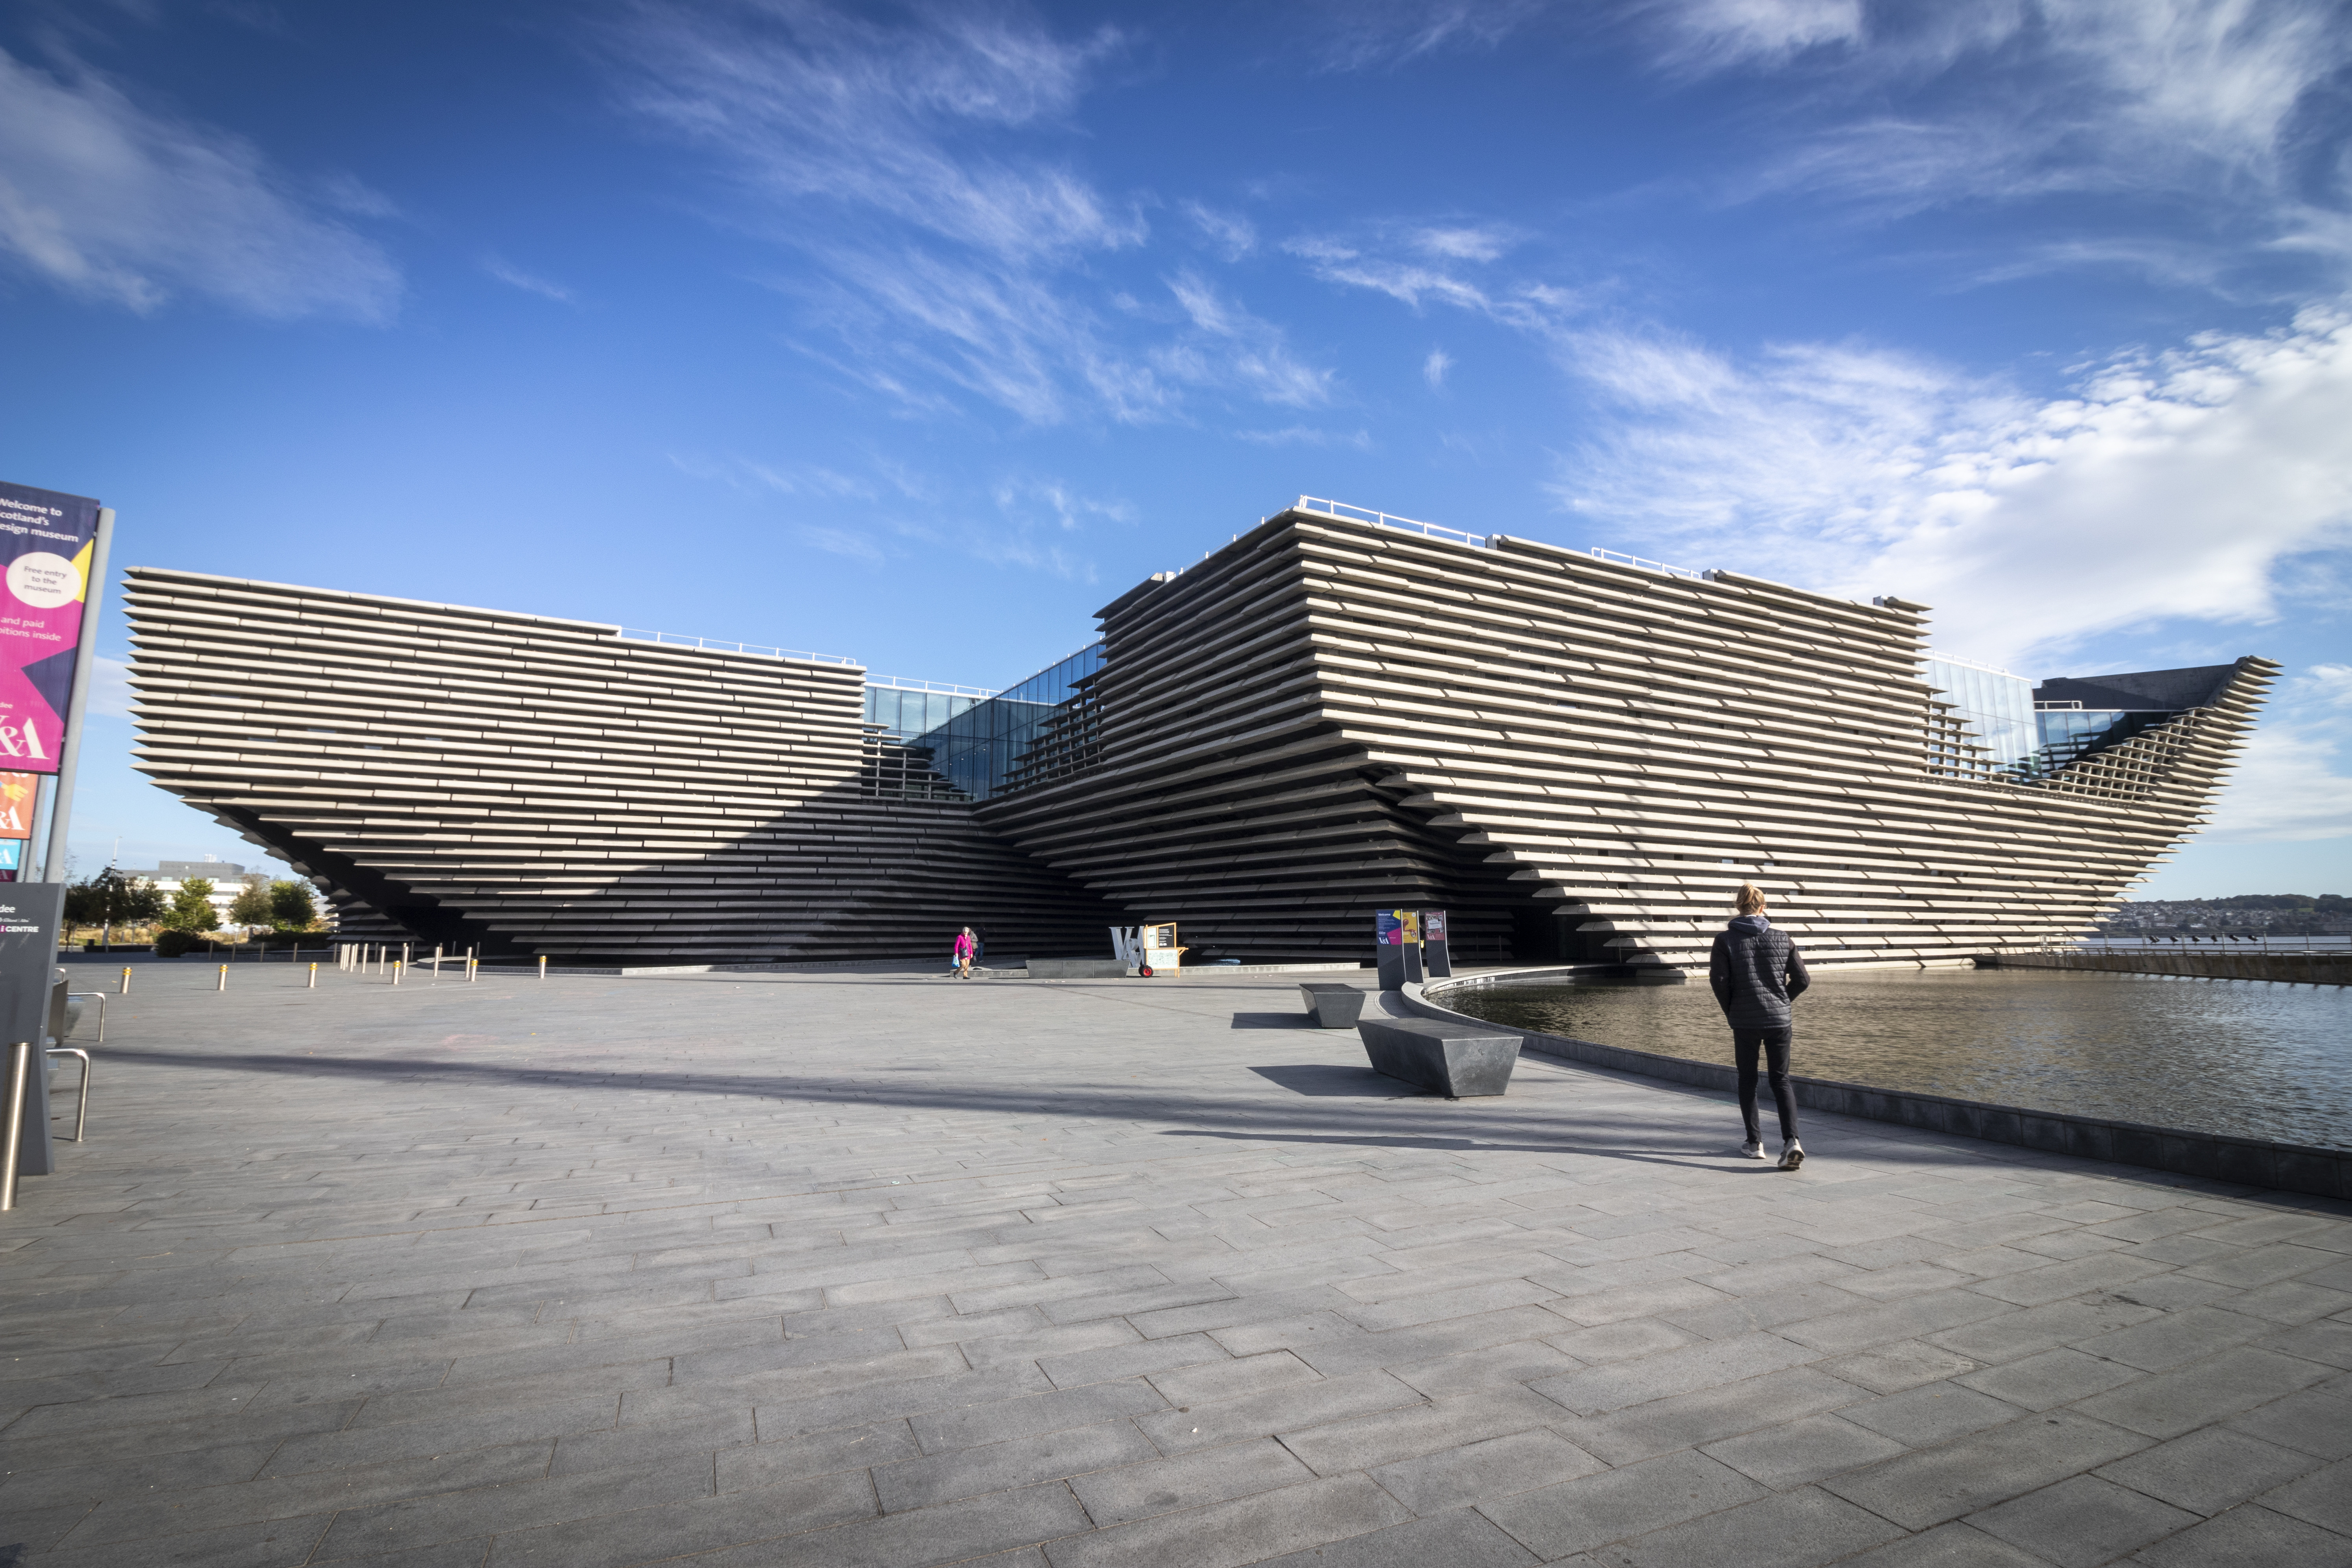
<point x="1397" y="934"/>
<point x="29" y="912"/>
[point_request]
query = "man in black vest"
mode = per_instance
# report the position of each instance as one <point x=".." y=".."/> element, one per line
<point x="1756" y="972"/>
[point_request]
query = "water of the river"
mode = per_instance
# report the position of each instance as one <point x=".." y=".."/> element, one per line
<point x="2254" y="1058"/>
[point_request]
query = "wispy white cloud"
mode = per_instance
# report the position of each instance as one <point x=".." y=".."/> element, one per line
<point x="1359" y="35"/>
<point x="1307" y="436"/>
<point x="1434" y="368"/>
<point x="2294" y="783"/>
<point x="113" y="202"/>
<point x="529" y="282"/>
<point x="1231" y="235"/>
<point x="1230" y="346"/>
<point x="922" y="164"/>
<point x="2170" y="485"/>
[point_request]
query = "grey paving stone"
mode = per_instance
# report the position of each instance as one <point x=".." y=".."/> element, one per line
<point x="952" y="1533"/>
<point x="1299" y="1406"/>
<point x="1922" y="1416"/>
<point x="2213" y="1390"/>
<point x="1495" y="1466"/>
<point x="522" y="1505"/>
<point x="1798" y="1452"/>
<point x="766" y="1464"/>
<point x="1189" y="1480"/>
<point x="1890" y="1368"/>
<point x="1913" y="1317"/>
<point x="1795" y="1529"/>
<point x="1619" y="1340"/>
<point x="1029" y="1416"/>
<point x="1946" y="1546"/>
<point x="276" y="1543"/>
<point x="1708" y="1415"/>
<point x="2313" y="1422"/>
<point x="1633" y="1500"/>
<point x="2208" y="1470"/>
<point x="2035" y="1330"/>
<point x="1068" y="1340"/>
<point x="1188" y="1385"/>
<point x="1458" y="1539"/>
<point x="1673" y="1371"/>
<point x="675" y="1529"/>
<point x="999" y="1467"/>
<point x="2053" y="1378"/>
<point x="1130" y="1360"/>
<point x="1366" y="1442"/>
<point x="2329" y="1342"/>
<point x="2082" y="1521"/>
<point x="160" y="1512"/>
<point x="1920" y="1489"/>
<point x="1245" y="1530"/>
<point x="2176" y="1339"/>
<point x="2323" y="1497"/>
<point x="2249" y="1537"/>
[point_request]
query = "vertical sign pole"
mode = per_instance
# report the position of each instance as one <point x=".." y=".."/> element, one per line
<point x="52" y="861"/>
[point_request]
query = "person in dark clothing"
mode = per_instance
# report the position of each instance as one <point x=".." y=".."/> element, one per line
<point x="1756" y="972"/>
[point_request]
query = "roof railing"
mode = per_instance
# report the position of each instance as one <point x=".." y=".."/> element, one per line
<point x="1619" y="557"/>
<point x="1346" y="513"/>
<point x="900" y="683"/>
<point x="717" y="645"/>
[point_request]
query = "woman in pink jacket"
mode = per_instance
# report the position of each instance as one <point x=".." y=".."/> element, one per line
<point x="965" y="945"/>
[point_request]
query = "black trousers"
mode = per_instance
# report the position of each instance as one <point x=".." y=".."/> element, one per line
<point x="1774" y="1043"/>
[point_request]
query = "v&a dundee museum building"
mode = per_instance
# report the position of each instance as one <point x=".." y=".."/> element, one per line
<point x="1577" y="756"/>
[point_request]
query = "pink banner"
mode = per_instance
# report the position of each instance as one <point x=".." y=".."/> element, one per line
<point x="46" y="539"/>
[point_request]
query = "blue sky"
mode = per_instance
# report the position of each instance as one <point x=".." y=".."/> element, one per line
<point x="917" y="333"/>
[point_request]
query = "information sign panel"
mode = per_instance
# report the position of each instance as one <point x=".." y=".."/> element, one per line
<point x="29" y="912"/>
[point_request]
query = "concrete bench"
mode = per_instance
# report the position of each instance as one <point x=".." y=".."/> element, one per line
<point x="1454" y="1059"/>
<point x="1333" y="1007"/>
<point x="1079" y="969"/>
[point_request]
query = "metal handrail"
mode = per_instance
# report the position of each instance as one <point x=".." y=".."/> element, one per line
<point x="719" y="645"/>
<point x="1621" y="558"/>
<point x="1346" y="513"/>
<point x="899" y="683"/>
<point x="99" y="996"/>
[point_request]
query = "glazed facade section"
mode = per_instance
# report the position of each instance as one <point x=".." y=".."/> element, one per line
<point x="547" y="786"/>
<point x="1578" y="759"/>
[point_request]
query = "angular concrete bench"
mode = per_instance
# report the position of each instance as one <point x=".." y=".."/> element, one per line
<point x="1456" y="1059"/>
<point x="1333" y="1007"/>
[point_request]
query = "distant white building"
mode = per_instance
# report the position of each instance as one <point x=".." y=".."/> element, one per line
<point x="226" y="876"/>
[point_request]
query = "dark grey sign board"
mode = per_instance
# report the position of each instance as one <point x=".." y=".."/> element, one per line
<point x="29" y="912"/>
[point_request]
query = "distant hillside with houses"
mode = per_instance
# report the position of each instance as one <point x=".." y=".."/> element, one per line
<point x="2267" y="914"/>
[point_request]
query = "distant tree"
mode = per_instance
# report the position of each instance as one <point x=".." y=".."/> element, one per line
<point x="291" y="907"/>
<point x="112" y="897"/>
<point x="191" y="907"/>
<point x="252" y="905"/>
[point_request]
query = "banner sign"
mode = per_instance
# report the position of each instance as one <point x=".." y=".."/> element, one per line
<point x="46" y="539"/>
<point x="18" y="792"/>
<point x="1397" y="928"/>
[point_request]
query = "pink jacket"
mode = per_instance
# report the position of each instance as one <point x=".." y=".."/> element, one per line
<point x="963" y="944"/>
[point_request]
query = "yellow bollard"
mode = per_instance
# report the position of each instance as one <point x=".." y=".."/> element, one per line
<point x="542" y="966"/>
<point x="314" y="979"/>
<point x="126" y="982"/>
<point x="223" y="986"/>
<point x="395" y="972"/>
<point x="473" y="970"/>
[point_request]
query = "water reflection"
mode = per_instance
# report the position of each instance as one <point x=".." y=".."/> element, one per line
<point x="2248" y="1058"/>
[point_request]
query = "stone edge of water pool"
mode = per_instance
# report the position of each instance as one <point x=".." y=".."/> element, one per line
<point x="2217" y="1156"/>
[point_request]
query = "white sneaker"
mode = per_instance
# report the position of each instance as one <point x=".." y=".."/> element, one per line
<point x="1752" y="1151"/>
<point x="1793" y="1155"/>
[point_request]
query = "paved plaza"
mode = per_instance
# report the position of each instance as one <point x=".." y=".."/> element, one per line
<point x="888" y="1269"/>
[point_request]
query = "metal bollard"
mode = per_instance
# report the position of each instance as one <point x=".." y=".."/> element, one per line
<point x="126" y="981"/>
<point x="542" y="966"/>
<point x="473" y="970"/>
<point x="12" y="1144"/>
<point x="395" y="972"/>
<point x="314" y="979"/>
